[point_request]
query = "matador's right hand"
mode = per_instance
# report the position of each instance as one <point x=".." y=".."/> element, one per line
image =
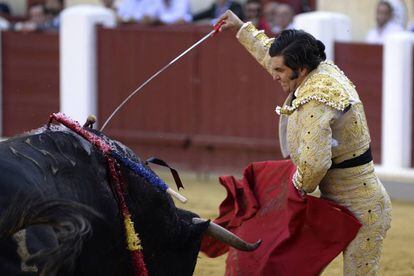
<point x="230" y="22"/>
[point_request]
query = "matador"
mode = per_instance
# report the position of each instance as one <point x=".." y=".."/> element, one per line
<point x="324" y="131"/>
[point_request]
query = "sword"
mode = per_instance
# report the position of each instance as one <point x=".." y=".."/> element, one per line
<point x="214" y="31"/>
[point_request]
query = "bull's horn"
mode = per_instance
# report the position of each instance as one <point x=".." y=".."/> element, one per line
<point x="216" y="231"/>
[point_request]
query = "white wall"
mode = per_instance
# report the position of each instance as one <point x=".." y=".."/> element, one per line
<point x="397" y="100"/>
<point x="78" y="96"/>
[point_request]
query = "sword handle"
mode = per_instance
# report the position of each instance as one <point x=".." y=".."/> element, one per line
<point x="218" y="26"/>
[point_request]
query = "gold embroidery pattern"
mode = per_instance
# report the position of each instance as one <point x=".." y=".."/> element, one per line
<point x="352" y="133"/>
<point x="309" y="142"/>
<point x="257" y="44"/>
<point x="322" y="88"/>
<point x="358" y="189"/>
<point x="362" y="193"/>
<point x="262" y="37"/>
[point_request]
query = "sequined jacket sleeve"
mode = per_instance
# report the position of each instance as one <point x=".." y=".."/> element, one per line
<point x="310" y="135"/>
<point x="257" y="43"/>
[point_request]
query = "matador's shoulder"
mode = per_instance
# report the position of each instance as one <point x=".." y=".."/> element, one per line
<point x="326" y="84"/>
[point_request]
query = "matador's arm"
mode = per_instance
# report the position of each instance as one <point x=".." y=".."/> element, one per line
<point x="257" y="43"/>
<point x="313" y="156"/>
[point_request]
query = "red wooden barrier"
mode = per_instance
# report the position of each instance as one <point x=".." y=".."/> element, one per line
<point x="214" y="109"/>
<point x="30" y="80"/>
<point x="211" y="110"/>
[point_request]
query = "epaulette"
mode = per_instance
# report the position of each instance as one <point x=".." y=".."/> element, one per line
<point x="321" y="87"/>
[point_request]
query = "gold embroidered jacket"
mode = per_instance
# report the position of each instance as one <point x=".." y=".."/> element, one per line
<point x="315" y="128"/>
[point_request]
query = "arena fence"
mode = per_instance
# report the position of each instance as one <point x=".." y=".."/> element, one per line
<point x="213" y="110"/>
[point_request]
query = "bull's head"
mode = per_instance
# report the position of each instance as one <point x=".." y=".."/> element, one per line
<point x="60" y="184"/>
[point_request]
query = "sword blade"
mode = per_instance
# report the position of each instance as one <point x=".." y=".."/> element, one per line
<point x="154" y="76"/>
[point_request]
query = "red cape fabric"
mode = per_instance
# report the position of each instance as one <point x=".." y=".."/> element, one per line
<point x="300" y="234"/>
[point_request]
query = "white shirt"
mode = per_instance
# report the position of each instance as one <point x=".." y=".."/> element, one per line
<point x="400" y="12"/>
<point x="176" y="10"/>
<point x="377" y="35"/>
<point x="137" y="9"/>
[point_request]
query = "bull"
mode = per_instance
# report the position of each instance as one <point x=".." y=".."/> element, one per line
<point x="59" y="215"/>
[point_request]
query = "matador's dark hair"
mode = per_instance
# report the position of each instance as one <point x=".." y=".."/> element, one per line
<point x="299" y="49"/>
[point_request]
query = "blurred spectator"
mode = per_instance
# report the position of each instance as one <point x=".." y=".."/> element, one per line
<point x="37" y="17"/>
<point x="284" y="18"/>
<point x="4" y="15"/>
<point x="253" y="12"/>
<point x="306" y="6"/>
<point x="174" y="11"/>
<point x="270" y="15"/>
<point x="410" y="26"/>
<point x="400" y="12"/>
<point x="385" y="24"/>
<point x="4" y="9"/>
<point x="110" y="4"/>
<point x="53" y="10"/>
<point x="143" y="11"/>
<point x="218" y="8"/>
<point x="42" y="17"/>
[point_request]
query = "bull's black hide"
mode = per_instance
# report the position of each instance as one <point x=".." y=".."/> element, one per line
<point x="54" y="186"/>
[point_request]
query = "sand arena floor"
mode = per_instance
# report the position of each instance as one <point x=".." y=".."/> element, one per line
<point x="205" y="195"/>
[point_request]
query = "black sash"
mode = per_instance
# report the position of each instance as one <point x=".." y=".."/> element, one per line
<point x="363" y="159"/>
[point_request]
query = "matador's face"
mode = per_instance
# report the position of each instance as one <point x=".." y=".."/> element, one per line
<point x="288" y="78"/>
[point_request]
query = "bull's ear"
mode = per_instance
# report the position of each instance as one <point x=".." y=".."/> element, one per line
<point x="216" y="231"/>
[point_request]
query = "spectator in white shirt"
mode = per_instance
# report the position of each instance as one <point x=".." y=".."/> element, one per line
<point x="399" y="12"/>
<point x="137" y="10"/>
<point x="37" y="16"/>
<point x="385" y="24"/>
<point x="284" y="18"/>
<point x="152" y="12"/>
<point x="174" y="11"/>
<point x="218" y="8"/>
